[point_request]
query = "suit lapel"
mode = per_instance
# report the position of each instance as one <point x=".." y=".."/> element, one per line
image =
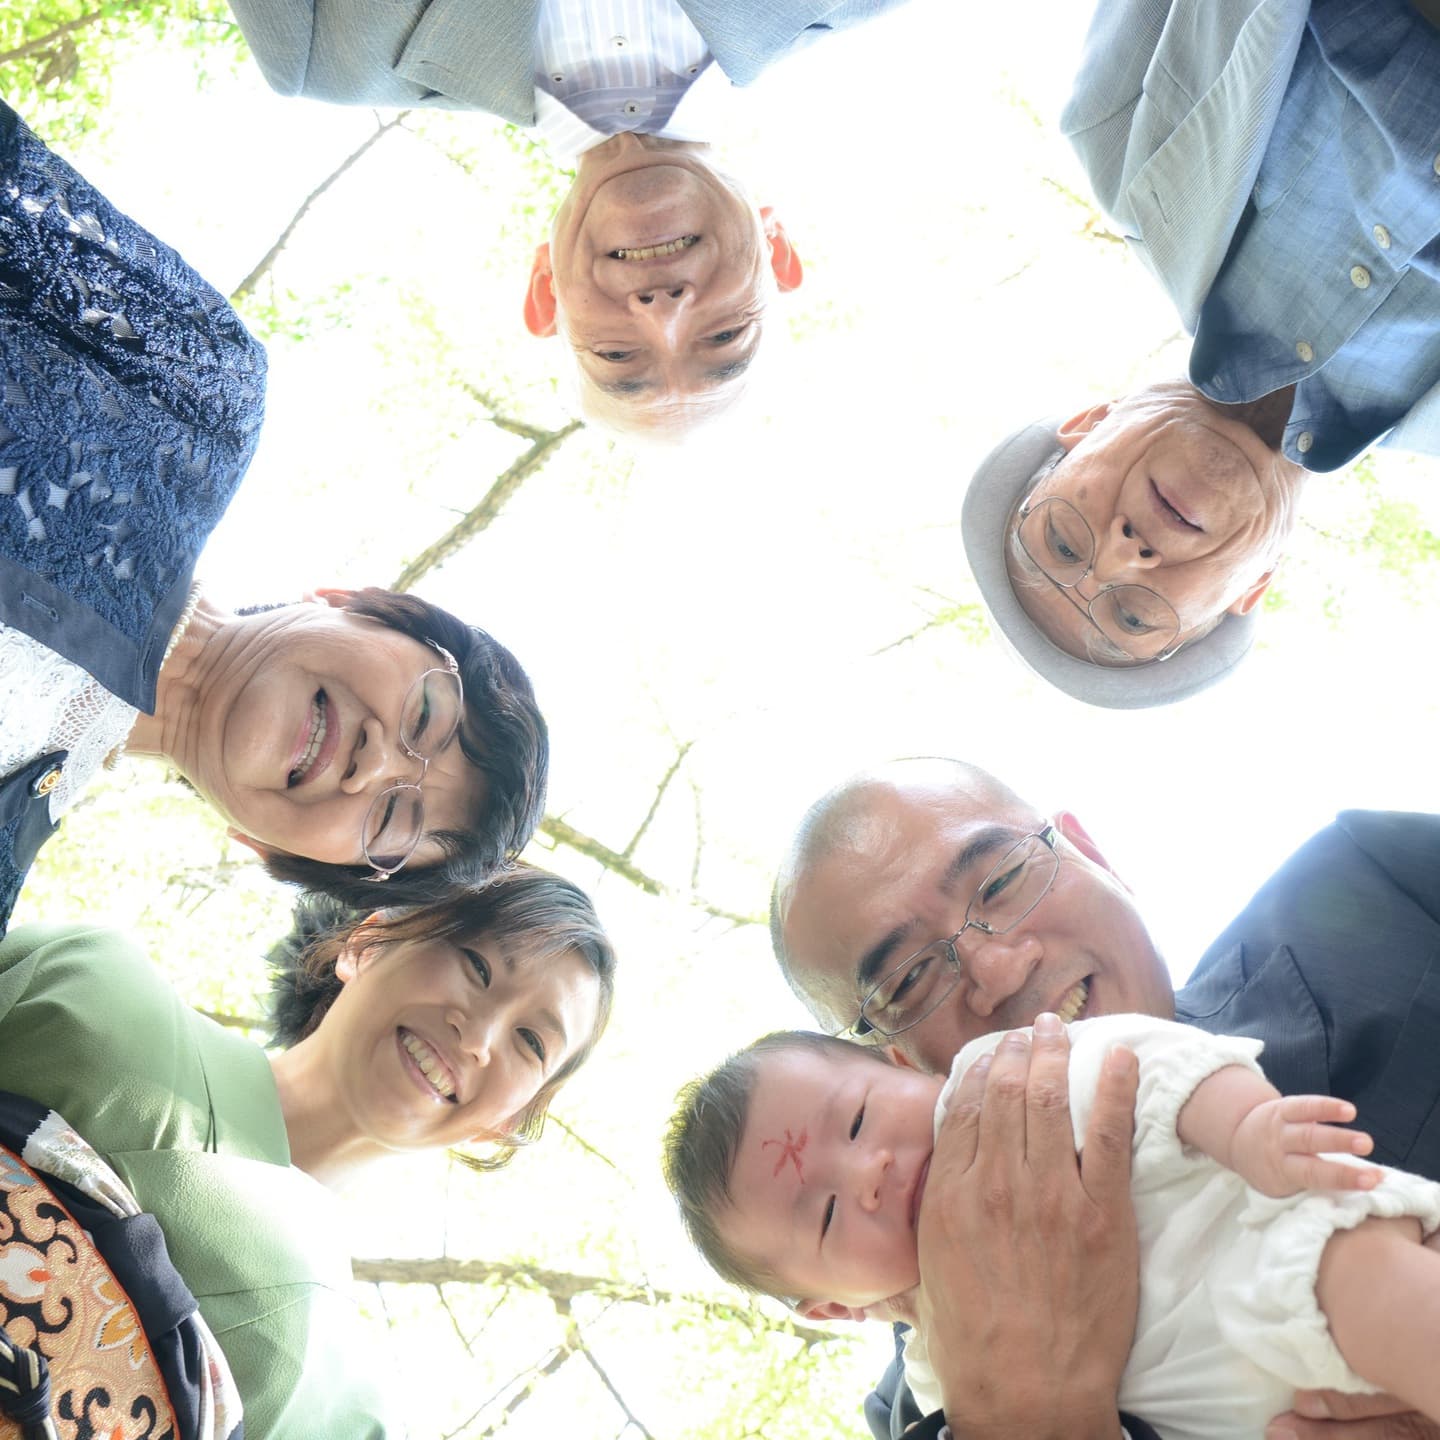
<point x="480" y="52"/>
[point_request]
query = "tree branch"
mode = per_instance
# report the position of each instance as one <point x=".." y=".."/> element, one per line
<point x="31" y="47"/>
<point x="480" y="518"/>
<point x="564" y="833"/>
<point x="660" y="790"/>
<point x="562" y="1287"/>
<point x="578" y="1345"/>
<point x="553" y="1119"/>
<point x="248" y="284"/>
<point x="233" y="1022"/>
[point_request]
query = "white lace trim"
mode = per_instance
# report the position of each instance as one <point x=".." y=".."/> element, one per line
<point x="47" y="703"/>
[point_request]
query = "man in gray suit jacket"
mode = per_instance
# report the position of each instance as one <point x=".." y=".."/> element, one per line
<point x="1274" y="163"/>
<point x="660" y="267"/>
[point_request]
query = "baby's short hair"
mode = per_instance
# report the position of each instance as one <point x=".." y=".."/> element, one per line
<point x="704" y="1136"/>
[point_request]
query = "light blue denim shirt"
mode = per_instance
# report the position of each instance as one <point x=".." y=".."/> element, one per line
<point x="1332" y="280"/>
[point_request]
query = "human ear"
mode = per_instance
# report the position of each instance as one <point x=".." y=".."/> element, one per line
<point x="1251" y="598"/>
<point x="828" y="1310"/>
<point x="352" y="955"/>
<point x="1078" y="426"/>
<point x="540" y="295"/>
<point x="249" y="842"/>
<point x="330" y="595"/>
<point x="784" y="262"/>
<point x="1071" y="828"/>
<point x="898" y="1057"/>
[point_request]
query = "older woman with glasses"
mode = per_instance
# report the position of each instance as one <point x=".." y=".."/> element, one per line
<point x="354" y="736"/>
<point x="450" y="1026"/>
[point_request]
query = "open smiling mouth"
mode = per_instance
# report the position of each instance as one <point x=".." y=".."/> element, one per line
<point x="653" y="252"/>
<point x="1074" y="1002"/>
<point x="319" y="725"/>
<point x="430" y="1065"/>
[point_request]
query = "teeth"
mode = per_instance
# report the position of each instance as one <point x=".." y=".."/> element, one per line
<point x="429" y="1063"/>
<point x="649" y="252"/>
<point x="1073" y="1003"/>
<point x="318" y="725"/>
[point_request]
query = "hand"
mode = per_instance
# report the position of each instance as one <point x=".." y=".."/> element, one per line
<point x="1028" y="1258"/>
<point x="1326" y="1415"/>
<point x="1277" y="1146"/>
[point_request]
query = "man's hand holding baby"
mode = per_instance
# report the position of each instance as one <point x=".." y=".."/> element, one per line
<point x="1028" y="1255"/>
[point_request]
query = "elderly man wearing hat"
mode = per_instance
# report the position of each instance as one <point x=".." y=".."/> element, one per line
<point x="1122" y="552"/>
<point x="1275" y="163"/>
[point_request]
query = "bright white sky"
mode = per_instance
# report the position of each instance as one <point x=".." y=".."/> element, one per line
<point x="734" y="593"/>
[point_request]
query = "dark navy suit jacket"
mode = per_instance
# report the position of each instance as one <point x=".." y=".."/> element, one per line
<point x="1335" y="965"/>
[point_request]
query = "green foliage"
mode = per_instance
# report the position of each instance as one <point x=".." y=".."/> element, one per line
<point x="58" y="57"/>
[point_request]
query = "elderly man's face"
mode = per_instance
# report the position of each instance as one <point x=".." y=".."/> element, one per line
<point x="903" y="876"/>
<point x="1177" y="497"/>
<point x="657" y="276"/>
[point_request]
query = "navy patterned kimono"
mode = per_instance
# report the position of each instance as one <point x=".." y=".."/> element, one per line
<point x="131" y="398"/>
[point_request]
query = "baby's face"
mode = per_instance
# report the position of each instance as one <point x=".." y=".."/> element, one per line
<point x="828" y="1177"/>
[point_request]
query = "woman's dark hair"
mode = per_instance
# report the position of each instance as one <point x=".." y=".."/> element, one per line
<point x="503" y="736"/>
<point x="552" y="916"/>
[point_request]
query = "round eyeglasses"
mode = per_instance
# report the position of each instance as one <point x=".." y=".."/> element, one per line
<point x="429" y="719"/>
<point x="923" y="981"/>
<point x="1141" y="624"/>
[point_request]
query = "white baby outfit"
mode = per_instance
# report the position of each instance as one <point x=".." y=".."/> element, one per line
<point x="1228" y="1326"/>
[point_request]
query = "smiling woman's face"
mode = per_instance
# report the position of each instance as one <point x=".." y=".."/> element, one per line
<point x="296" y="730"/>
<point x="1179" y="497"/>
<point x="433" y="1043"/>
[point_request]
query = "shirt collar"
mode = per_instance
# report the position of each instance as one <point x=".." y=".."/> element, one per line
<point x="702" y="114"/>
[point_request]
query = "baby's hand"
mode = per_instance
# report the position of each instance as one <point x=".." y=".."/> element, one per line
<point x="1278" y="1146"/>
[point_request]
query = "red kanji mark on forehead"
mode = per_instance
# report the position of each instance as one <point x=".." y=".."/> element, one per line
<point x="790" y="1149"/>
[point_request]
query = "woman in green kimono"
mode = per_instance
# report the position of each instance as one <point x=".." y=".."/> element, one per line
<point x="447" y="1026"/>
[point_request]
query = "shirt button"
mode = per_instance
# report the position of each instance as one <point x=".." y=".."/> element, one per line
<point x="1305" y="351"/>
<point x="1382" y="237"/>
<point x="618" y="41"/>
<point x="631" y="108"/>
<point x="45" y="783"/>
<point x="1303" y="441"/>
<point x="1359" y="277"/>
<point x="694" y="70"/>
<point x="557" y="78"/>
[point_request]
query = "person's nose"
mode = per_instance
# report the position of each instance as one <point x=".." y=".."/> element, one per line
<point x="374" y="759"/>
<point x="868" y="1178"/>
<point x="661" y="308"/>
<point x="998" y="966"/>
<point x="1121" y="552"/>
<point x="475" y="1034"/>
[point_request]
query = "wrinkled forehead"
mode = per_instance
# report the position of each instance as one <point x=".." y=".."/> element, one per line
<point x="884" y="868"/>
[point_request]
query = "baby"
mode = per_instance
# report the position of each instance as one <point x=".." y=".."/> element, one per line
<point x="799" y="1165"/>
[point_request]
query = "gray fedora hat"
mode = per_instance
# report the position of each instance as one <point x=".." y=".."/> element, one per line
<point x="1003" y="479"/>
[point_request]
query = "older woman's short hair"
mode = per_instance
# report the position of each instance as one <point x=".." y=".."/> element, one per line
<point x="503" y="735"/>
<point x="549" y="914"/>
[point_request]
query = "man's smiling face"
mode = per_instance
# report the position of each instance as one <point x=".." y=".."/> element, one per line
<point x="657" y="276"/>
<point x="1176" y="497"/>
<point x="917" y="842"/>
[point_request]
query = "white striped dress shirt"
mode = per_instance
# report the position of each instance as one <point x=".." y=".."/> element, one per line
<point x="603" y="66"/>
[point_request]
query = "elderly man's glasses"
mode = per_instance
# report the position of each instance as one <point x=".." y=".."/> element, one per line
<point x="921" y="983"/>
<point x="429" y="718"/>
<point x="1142" y="625"/>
